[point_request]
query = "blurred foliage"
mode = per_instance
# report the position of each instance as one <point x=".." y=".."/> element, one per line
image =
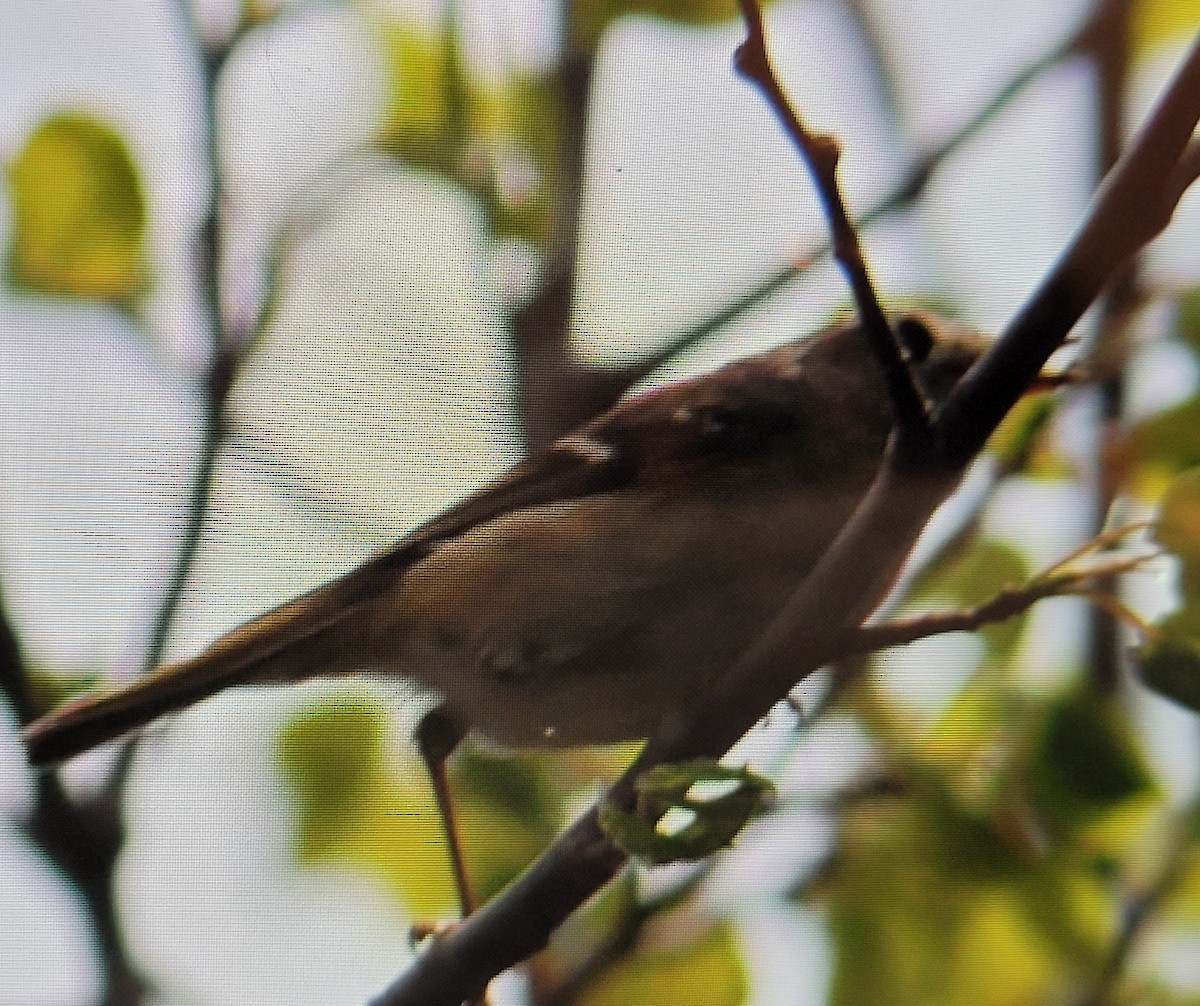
<point x="1182" y="901"/>
<point x="707" y="970"/>
<point x="79" y="215"/>
<point x="993" y="848"/>
<point x="51" y="687"/>
<point x="352" y="808"/>
<point x="1020" y="444"/>
<point x="1168" y="442"/>
<point x="498" y="138"/>
<point x="974" y="570"/>
<point x="1161" y="23"/>
<point x="359" y="804"/>
<point x="993" y="854"/>
<point x="931" y="903"/>
<point x="1087" y="780"/>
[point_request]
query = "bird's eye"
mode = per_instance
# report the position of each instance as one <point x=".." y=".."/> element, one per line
<point x="914" y="337"/>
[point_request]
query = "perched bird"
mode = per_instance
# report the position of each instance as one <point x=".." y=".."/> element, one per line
<point x="603" y="583"/>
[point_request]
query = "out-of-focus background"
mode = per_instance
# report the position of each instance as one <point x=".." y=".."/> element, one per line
<point x="282" y="280"/>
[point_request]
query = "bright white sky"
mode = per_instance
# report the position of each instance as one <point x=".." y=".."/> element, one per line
<point x="691" y="196"/>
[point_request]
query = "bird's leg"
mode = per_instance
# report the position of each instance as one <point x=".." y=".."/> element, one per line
<point x="437" y="736"/>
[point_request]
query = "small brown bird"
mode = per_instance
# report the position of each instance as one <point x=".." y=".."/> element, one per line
<point x="601" y="584"/>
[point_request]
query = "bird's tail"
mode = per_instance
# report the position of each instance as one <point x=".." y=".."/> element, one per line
<point x="292" y="642"/>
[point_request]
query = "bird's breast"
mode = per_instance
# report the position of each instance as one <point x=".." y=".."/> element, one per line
<point x="588" y="621"/>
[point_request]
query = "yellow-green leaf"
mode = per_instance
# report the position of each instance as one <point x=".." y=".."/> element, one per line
<point x="421" y="123"/>
<point x="1167" y="443"/>
<point x="1159" y="23"/>
<point x="355" y="807"/>
<point x="352" y="810"/>
<point x="330" y="754"/>
<point x="1179" y="525"/>
<point x="971" y="575"/>
<point x="1187" y="313"/>
<point x="49" y="688"/>
<point x="707" y="971"/>
<point x="508" y="813"/>
<point x="1019" y="443"/>
<point x="79" y="215"/>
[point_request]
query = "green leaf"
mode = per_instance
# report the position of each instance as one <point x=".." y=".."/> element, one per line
<point x="1170" y="664"/>
<point x="329" y="755"/>
<point x="1187" y="317"/>
<point x="970" y="744"/>
<point x="1019" y="443"/>
<point x="707" y="971"/>
<point x="353" y="811"/>
<point x="1169" y="441"/>
<point x="50" y="688"/>
<point x="508" y="813"/>
<point x="711" y="802"/>
<point x="422" y="125"/>
<point x="355" y="807"/>
<point x="79" y="215"/>
<point x="1086" y="766"/>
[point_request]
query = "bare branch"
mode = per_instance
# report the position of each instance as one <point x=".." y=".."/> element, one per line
<point x="821" y="154"/>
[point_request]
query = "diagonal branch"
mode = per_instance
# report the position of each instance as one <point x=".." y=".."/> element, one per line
<point x="1132" y="206"/>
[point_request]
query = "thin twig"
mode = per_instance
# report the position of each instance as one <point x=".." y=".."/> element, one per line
<point x="905" y="194"/>
<point x="1142" y="908"/>
<point x="1008" y="603"/>
<point x="222" y="363"/>
<point x="81" y="840"/>
<point x="820" y="154"/>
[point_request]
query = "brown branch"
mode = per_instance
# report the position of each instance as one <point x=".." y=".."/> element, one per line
<point x="1131" y="208"/>
<point x="820" y="154"/>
